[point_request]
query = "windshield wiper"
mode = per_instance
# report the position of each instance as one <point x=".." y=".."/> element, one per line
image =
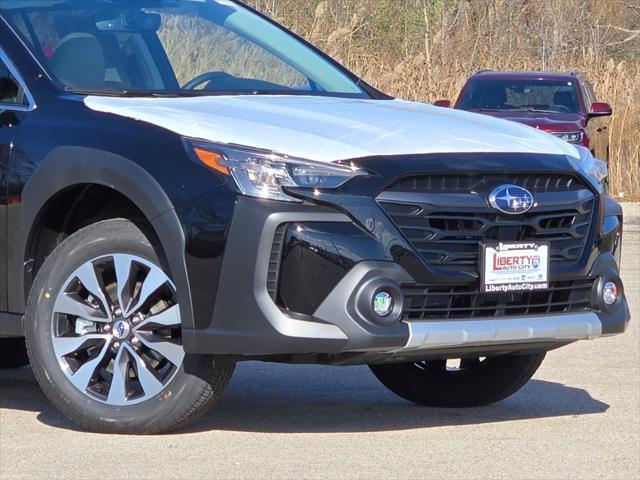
<point x="92" y="91"/>
<point x="514" y="110"/>
<point x="138" y="93"/>
<point x="533" y="110"/>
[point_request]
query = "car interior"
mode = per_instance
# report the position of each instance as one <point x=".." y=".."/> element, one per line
<point x="122" y="52"/>
<point x="498" y="95"/>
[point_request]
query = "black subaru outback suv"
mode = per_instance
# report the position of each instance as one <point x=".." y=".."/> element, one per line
<point x="186" y="185"/>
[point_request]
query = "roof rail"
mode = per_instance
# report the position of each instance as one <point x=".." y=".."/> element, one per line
<point x="482" y="70"/>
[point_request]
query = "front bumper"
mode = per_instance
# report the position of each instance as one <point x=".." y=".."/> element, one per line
<point x="329" y="262"/>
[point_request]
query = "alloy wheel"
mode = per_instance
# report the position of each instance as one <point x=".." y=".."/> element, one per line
<point x="116" y="329"/>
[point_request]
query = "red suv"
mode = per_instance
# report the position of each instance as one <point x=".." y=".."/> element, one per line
<point x="563" y="104"/>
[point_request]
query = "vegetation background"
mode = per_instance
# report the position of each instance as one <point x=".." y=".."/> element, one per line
<point x="425" y="50"/>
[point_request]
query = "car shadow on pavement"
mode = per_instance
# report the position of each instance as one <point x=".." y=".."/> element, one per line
<point x="268" y="398"/>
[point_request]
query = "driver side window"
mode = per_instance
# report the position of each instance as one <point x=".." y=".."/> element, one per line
<point x="195" y="46"/>
<point x="10" y="90"/>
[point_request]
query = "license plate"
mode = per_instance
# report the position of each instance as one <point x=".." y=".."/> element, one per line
<point x="514" y="267"/>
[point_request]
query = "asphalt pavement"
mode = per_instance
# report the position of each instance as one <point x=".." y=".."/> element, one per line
<point x="579" y="418"/>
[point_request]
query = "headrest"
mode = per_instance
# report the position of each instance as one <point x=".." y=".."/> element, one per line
<point x="79" y="61"/>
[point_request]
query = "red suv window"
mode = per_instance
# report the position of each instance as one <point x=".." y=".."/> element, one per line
<point x="547" y="95"/>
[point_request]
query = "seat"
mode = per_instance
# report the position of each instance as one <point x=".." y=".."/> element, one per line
<point x="79" y="62"/>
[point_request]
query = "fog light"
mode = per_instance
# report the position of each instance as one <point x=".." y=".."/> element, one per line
<point x="610" y="293"/>
<point x="383" y="304"/>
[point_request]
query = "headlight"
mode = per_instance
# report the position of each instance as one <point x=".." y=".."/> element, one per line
<point x="263" y="174"/>
<point x="595" y="169"/>
<point x="571" y="137"/>
<point x="598" y="171"/>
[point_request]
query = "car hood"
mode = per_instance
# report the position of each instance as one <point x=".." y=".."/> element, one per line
<point x="331" y="129"/>
<point x="550" y="122"/>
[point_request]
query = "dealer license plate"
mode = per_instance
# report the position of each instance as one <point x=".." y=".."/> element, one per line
<point x="514" y="267"/>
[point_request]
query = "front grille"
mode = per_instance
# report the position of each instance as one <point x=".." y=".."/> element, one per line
<point x="444" y="302"/>
<point x="274" y="262"/>
<point x="465" y="183"/>
<point x="450" y="237"/>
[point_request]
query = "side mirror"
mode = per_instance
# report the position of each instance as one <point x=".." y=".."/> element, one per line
<point x="443" y="103"/>
<point x="600" y="109"/>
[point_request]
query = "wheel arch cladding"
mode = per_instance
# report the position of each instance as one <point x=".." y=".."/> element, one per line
<point x="66" y="167"/>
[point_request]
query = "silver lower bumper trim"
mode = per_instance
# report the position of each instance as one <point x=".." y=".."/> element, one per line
<point x="425" y="335"/>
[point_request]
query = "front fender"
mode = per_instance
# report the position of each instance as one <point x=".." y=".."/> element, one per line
<point x="65" y="167"/>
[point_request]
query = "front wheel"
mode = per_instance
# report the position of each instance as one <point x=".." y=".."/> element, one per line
<point x="460" y="383"/>
<point x="104" y="335"/>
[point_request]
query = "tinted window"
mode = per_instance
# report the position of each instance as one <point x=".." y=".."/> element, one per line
<point x="230" y="55"/>
<point x="176" y="46"/>
<point x="554" y="96"/>
<point x="590" y="93"/>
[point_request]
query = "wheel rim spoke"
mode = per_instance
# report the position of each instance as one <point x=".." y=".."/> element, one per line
<point x="67" y="345"/>
<point x="148" y="380"/>
<point x="171" y="351"/>
<point x="87" y="276"/>
<point x="85" y="373"/>
<point x="67" y="304"/>
<point x="167" y="318"/>
<point x="122" y="264"/>
<point x="118" y="388"/>
<point x="152" y="282"/>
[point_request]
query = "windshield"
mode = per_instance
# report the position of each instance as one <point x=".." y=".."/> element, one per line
<point x="527" y="95"/>
<point x="181" y="47"/>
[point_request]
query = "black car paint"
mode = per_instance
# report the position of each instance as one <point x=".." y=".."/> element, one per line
<point x="176" y="201"/>
<point x="62" y="143"/>
<point x="62" y="119"/>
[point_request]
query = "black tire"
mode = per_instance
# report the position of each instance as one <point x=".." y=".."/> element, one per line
<point x="476" y="383"/>
<point x="13" y="353"/>
<point x="193" y="387"/>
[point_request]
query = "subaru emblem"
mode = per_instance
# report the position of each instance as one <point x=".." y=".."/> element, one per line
<point x="121" y="330"/>
<point x="511" y="199"/>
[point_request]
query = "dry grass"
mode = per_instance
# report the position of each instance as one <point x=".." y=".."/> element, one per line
<point x="425" y="50"/>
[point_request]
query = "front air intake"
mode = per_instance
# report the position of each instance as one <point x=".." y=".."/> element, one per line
<point x="423" y="302"/>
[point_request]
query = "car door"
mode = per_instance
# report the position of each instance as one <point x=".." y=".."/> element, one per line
<point x="13" y="101"/>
